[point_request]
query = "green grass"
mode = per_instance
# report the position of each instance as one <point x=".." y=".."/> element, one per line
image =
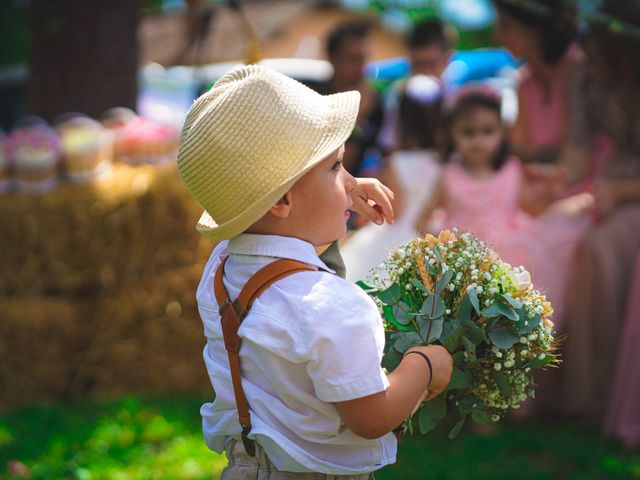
<point x="141" y="438"/>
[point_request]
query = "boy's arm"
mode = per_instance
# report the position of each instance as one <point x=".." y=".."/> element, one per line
<point x="375" y="415"/>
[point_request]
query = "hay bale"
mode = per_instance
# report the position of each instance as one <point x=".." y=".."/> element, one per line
<point x="40" y="342"/>
<point x="148" y="337"/>
<point x="83" y="239"/>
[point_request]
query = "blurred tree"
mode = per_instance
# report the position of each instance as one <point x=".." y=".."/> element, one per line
<point x="83" y="56"/>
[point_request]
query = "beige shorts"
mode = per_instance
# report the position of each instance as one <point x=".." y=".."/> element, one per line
<point x="243" y="467"/>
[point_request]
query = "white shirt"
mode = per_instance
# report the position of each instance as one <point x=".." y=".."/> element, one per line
<point x="309" y="340"/>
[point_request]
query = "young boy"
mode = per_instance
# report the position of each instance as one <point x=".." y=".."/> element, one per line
<point x="262" y="154"/>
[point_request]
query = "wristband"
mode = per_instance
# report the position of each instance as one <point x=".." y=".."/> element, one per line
<point x="427" y="360"/>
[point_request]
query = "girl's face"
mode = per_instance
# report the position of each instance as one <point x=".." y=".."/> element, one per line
<point x="521" y="40"/>
<point x="478" y="135"/>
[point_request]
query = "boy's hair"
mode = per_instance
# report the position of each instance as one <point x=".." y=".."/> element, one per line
<point x="463" y="104"/>
<point x="554" y="18"/>
<point x="344" y="32"/>
<point x="429" y="33"/>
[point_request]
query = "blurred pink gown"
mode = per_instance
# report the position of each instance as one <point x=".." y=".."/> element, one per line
<point x="490" y="209"/>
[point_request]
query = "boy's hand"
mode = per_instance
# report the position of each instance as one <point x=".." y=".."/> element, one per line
<point x="372" y="190"/>
<point x="442" y="367"/>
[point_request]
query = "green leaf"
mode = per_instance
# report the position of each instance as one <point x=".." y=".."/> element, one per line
<point x="463" y="314"/>
<point x="457" y="427"/>
<point x="418" y="284"/>
<point x="459" y="379"/>
<point x="476" y="333"/>
<point x="531" y="322"/>
<point x="389" y="317"/>
<point x="541" y="362"/>
<point x="431" y="413"/>
<point x="444" y="281"/>
<point x="432" y="269"/>
<point x="480" y="417"/>
<point x="452" y="341"/>
<point x="368" y="287"/>
<point x="458" y="359"/>
<point x="502" y="382"/>
<point x="502" y="337"/>
<point x="506" y="311"/>
<point x="469" y="404"/>
<point x="469" y="346"/>
<point x="400" y="312"/>
<point x="433" y="307"/>
<point x="473" y="297"/>
<point x="407" y="340"/>
<point x="391" y="295"/>
<point x="514" y="302"/>
<point x="432" y="329"/>
<point x="391" y="359"/>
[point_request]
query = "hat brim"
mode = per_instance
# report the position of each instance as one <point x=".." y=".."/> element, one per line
<point x="342" y="113"/>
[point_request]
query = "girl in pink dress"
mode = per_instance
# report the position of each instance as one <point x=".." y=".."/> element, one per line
<point x="482" y="189"/>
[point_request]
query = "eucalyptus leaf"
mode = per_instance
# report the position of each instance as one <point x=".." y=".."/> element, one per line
<point x="418" y="284"/>
<point x="469" y="346"/>
<point x="463" y="315"/>
<point x="391" y="295"/>
<point x="431" y="413"/>
<point x="432" y="329"/>
<point x="480" y="417"/>
<point x="368" y="287"/>
<point x="506" y="311"/>
<point x="444" y="280"/>
<point x="469" y="404"/>
<point x="433" y="306"/>
<point x="458" y="359"/>
<point x="453" y="341"/>
<point x="531" y="322"/>
<point x="432" y="269"/>
<point x="406" y="341"/>
<point x="459" y="379"/>
<point x="400" y="312"/>
<point x="502" y="382"/>
<point x="389" y="317"/>
<point x="514" y="302"/>
<point x="391" y="359"/>
<point x="476" y="333"/>
<point x="502" y="337"/>
<point x="473" y="298"/>
<point x="457" y="427"/>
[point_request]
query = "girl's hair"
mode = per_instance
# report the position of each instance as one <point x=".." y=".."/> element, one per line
<point x="466" y="102"/>
<point x="420" y="114"/>
<point x="554" y="18"/>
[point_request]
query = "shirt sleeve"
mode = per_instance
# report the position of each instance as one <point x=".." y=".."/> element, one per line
<point x="345" y="342"/>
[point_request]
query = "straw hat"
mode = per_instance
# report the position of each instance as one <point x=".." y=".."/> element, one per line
<point x="250" y="138"/>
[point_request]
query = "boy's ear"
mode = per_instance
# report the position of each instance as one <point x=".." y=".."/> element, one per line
<point x="282" y="208"/>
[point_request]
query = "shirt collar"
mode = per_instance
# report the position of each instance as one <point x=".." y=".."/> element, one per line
<point x="276" y="246"/>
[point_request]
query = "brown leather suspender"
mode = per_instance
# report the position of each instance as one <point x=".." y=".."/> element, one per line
<point x="232" y="314"/>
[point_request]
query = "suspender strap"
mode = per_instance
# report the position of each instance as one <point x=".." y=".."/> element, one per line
<point x="231" y="316"/>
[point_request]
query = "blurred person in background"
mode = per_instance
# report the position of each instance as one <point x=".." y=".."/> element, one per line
<point x="542" y="33"/>
<point x="347" y="49"/>
<point x="429" y="47"/>
<point x="601" y="359"/>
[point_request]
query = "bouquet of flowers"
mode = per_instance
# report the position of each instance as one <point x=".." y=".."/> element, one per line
<point x="455" y="291"/>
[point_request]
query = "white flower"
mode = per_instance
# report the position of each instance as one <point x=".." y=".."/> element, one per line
<point x="497" y="366"/>
<point x="400" y="271"/>
<point x="523" y="340"/>
<point x="452" y="287"/>
<point x="499" y="354"/>
<point x="479" y="289"/>
<point x="448" y="312"/>
<point x="408" y="286"/>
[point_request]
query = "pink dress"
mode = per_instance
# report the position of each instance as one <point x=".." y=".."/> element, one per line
<point x="546" y="112"/>
<point x="489" y="208"/>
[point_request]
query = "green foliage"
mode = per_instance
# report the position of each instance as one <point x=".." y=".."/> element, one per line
<point x="130" y="439"/>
